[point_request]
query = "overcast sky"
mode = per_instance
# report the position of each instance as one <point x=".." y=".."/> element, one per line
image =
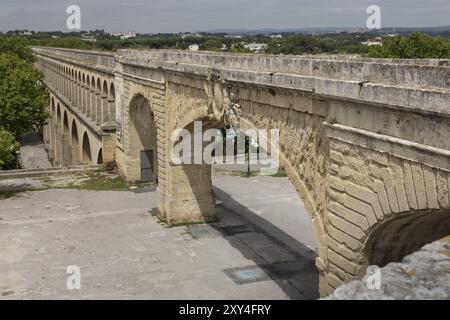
<point x="197" y="15"/>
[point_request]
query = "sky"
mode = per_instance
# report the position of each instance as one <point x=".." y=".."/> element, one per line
<point x="155" y="16"/>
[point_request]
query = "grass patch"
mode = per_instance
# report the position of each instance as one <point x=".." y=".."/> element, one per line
<point x="280" y="174"/>
<point x="99" y="182"/>
<point x="8" y="194"/>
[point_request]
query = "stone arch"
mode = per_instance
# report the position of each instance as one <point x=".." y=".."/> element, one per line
<point x="105" y="105"/>
<point x="394" y="238"/>
<point x="98" y="101"/>
<point x="66" y="158"/>
<point x="86" y="149"/>
<point x="100" y="156"/>
<point x="92" y="100"/>
<point x="53" y="123"/>
<point x="382" y="207"/>
<point x="88" y="96"/>
<point x="142" y="136"/>
<point x="75" y="143"/>
<point x="58" y="136"/>
<point x="306" y="165"/>
<point x="112" y="103"/>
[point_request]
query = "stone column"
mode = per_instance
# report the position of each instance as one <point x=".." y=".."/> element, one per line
<point x="189" y="196"/>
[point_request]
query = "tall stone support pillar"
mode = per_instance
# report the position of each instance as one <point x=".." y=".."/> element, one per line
<point x="189" y="195"/>
<point x="109" y="143"/>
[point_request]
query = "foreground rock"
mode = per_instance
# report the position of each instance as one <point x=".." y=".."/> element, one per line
<point x="422" y="275"/>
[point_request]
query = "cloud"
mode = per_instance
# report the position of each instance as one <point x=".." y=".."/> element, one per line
<point x="195" y="15"/>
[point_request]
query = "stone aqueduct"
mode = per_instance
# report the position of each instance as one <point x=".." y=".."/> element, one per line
<point x="365" y="142"/>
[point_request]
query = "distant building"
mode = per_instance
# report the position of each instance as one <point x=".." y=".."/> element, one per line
<point x="190" y="35"/>
<point x="256" y="47"/>
<point x="276" y="36"/>
<point x="234" y="36"/>
<point x="373" y="42"/>
<point x="88" y="37"/>
<point x="124" y="35"/>
<point x="194" y="47"/>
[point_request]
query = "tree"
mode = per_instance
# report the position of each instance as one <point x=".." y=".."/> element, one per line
<point x="417" y="46"/>
<point x="212" y="45"/>
<point x="22" y="99"/>
<point x="17" y="46"/>
<point x="8" y="148"/>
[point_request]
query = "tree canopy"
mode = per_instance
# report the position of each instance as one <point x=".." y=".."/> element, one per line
<point x="23" y="98"/>
<point x="416" y="46"/>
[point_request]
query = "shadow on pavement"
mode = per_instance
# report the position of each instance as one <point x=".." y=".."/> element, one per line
<point x="282" y="258"/>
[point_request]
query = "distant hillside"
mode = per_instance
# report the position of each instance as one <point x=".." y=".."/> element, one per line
<point x="402" y="30"/>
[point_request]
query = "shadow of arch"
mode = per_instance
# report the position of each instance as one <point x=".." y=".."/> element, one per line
<point x="75" y="142"/>
<point x="87" y="155"/>
<point x="394" y="238"/>
<point x="142" y="149"/>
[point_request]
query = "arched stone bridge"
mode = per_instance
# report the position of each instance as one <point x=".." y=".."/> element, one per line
<point x="365" y="142"/>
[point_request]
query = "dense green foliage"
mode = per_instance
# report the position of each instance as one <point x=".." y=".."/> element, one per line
<point x="308" y="44"/>
<point x="16" y="46"/>
<point x="416" y="46"/>
<point x="22" y="99"/>
<point x="8" y="147"/>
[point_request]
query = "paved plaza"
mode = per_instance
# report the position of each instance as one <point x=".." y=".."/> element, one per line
<point x="263" y="246"/>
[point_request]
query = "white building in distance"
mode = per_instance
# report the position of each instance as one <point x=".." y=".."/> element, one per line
<point x="256" y="47"/>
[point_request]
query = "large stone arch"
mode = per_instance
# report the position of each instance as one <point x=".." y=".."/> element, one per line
<point x="383" y="205"/>
<point x="86" y="150"/>
<point x="141" y="136"/>
<point x="75" y="143"/>
<point x="190" y="197"/>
